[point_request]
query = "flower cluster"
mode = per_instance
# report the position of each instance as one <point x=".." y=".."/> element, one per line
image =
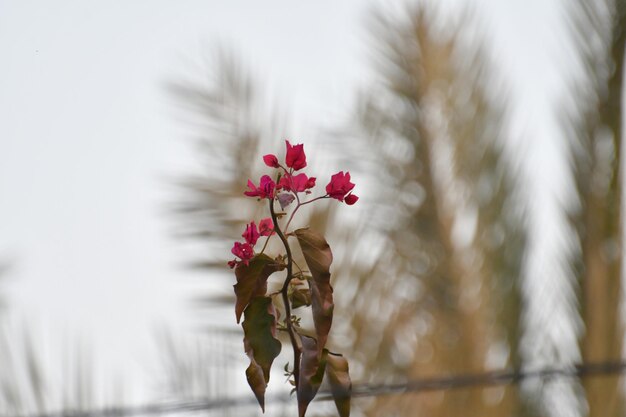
<point x="286" y="190"/>
<point x="290" y="184"/>
<point x="245" y="251"/>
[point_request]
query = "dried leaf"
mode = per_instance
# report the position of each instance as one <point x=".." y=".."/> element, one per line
<point x="260" y="343"/>
<point x="256" y="380"/>
<point x="285" y="199"/>
<point x="318" y="257"/>
<point x="311" y="374"/>
<point x="338" y="376"/>
<point x="252" y="280"/>
<point x="300" y="297"/>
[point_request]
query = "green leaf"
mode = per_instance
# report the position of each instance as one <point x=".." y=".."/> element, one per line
<point x="337" y="374"/>
<point x="300" y="297"/>
<point x="252" y="280"/>
<point x="318" y="257"/>
<point x="260" y="343"/>
<point x="311" y="374"/>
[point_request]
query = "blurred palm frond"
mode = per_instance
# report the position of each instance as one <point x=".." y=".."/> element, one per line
<point x="28" y="388"/>
<point x="232" y="130"/>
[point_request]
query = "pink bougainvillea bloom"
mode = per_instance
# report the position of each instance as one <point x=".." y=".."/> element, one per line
<point x="268" y="186"/>
<point x="296" y="183"/>
<point x="266" y="227"/>
<point x="264" y="190"/>
<point x="243" y="250"/>
<point x="339" y="186"/>
<point x="253" y="191"/>
<point x="302" y="183"/>
<point x="351" y="199"/>
<point x="251" y="234"/>
<point x="271" y="160"/>
<point x="284" y="183"/>
<point x="232" y="264"/>
<point x="295" y="157"/>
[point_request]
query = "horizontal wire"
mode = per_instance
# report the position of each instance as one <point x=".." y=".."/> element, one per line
<point x="460" y="381"/>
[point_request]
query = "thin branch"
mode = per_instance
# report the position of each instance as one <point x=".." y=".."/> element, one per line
<point x="283" y="291"/>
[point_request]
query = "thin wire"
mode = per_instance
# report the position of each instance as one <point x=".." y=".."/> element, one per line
<point x="484" y="379"/>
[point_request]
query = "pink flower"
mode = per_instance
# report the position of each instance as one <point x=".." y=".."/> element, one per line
<point x="253" y="191"/>
<point x="251" y="234"/>
<point x="295" y="157"/>
<point x="285" y="182"/>
<point x="244" y="251"/>
<point x="271" y="161"/>
<point x="351" y="199"/>
<point x="296" y="183"/>
<point x="264" y="190"/>
<point x="266" y="227"/>
<point x="339" y="186"/>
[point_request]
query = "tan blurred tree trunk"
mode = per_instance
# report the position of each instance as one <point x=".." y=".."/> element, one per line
<point x="599" y="223"/>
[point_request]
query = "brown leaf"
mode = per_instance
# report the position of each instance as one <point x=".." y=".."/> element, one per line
<point x="256" y="380"/>
<point x="252" y="280"/>
<point x="311" y="374"/>
<point x="338" y="376"/>
<point x="260" y="343"/>
<point x="318" y="257"/>
<point x="300" y="297"/>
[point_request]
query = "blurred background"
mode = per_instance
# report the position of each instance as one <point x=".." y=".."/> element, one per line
<point x="484" y="137"/>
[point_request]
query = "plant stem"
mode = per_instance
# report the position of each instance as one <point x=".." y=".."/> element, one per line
<point x="300" y="205"/>
<point x="283" y="291"/>
<point x="266" y="242"/>
<point x="291" y="217"/>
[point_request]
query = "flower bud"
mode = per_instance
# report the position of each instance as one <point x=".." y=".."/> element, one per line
<point x="271" y="160"/>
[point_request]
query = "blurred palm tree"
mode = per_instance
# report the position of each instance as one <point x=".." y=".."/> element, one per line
<point x="233" y="127"/>
<point x="233" y="130"/>
<point x="594" y="128"/>
<point x="230" y="126"/>
<point x="443" y="294"/>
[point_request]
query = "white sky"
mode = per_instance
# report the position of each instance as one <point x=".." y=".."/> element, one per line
<point x="88" y="139"/>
